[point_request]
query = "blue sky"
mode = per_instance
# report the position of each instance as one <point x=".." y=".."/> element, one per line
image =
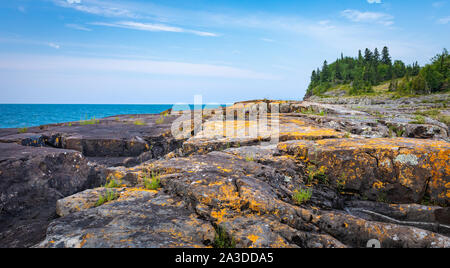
<point x="116" y="51"/>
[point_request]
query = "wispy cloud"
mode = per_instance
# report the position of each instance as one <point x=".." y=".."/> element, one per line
<point x="152" y="27"/>
<point x="69" y="64"/>
<point x="438" y="4"/>
<point x="368" y="17"/>
<point x="97" y="8"/>
<point x="445" y="20"/>
<point x="53" y="45"/>
<point x="374" y="1"/>
<point x="268" y="40"/>
<point x="78" y="27"/>
<point x="22" y="9"/>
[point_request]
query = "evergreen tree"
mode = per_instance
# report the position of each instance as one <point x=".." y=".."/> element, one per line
<point x="385" y="57"/>
<point x="376" y="57"/>
<point x="368" y="56"/>
<point x="325" y="74"/>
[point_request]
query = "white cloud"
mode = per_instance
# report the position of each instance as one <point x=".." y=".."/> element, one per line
<point x="72" y="64"/>
<point x="78" y="27"/>
<point x="368" y="17"/>
<point x="374" y="1"/>
<point x="97" y="8"/>
<point x="438" y="4"/>
<point x="445" y="20"/>
<point x="268" y="40"/>
<point x="152" y="27"/>
<point x="22" y="9"/>
<point x="53" y="45"/>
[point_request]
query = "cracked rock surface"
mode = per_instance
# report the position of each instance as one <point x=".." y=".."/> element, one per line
<point x="226" y="182"/>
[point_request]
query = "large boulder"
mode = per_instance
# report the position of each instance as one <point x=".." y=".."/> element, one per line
<point x="31" y="181"/>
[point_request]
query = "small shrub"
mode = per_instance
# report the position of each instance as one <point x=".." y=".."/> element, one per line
<point x="23" y="130"/>
<point x="160" y="120"/>
<point x="107" y="197"/>
<point x="92" y="121"/>
<point x="340" y="183"/>
<point x="249" y="158"/>
<point x="444" y="119"/>
<point x="311" y="111"/>
<point x="347" y="135"/>
<point x="113" y="183"/>
<point x="302" y="195"/>
<point x="222" y="239"/>
<point x="152" y="181"/>
<point x="139" y="123"/>
<point x="419" y="119"/>
<point x="317" y="174"/>
<point x="399" y="131"/>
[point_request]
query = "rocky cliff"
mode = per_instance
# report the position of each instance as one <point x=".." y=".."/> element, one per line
<point x="258" y="174"/>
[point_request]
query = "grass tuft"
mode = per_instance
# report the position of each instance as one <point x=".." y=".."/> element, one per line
<point x="152" y="181"/>
<point x="222" y="239"/>
<point x="302" y="195"/>
<point x="23" y="130"/>
<point x="106" y="197"/>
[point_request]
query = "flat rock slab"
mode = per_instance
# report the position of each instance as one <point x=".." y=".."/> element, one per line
<point x="218" y="135"/>
<point x="397" y="170"/>
<point x="142" y="219"/>
<point x="121" y="136"/>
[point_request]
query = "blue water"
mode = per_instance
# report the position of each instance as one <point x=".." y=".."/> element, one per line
<point x="29" y="115"/>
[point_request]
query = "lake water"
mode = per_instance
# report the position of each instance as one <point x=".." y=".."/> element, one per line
<point x="28" y="115"/>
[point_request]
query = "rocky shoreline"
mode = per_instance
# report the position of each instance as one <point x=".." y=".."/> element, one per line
<point x="372" y="172"/>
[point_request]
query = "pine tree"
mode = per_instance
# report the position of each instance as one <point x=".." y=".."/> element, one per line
<point x="386" y="58"/>
<point x="325" y="75"/>
<point x="376" y="57"/>
<point x="368" y="56"/>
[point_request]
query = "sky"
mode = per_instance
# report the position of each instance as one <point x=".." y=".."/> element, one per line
<point x="168" y="51"/>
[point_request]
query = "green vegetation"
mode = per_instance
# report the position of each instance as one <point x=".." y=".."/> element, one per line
<point x="398" y="131"/>
<point x="340" y="182"/>
<point x="222" y="239"/>
<point x="435" y="114"/>
<point x="317" y="174"/>
<point x="112" y="182"/>
<point x="249" y="158"/>
<point x="139" y="123"/>
<point x="92" y="121"/>
<point x="419" y="119"/>
<point x="364" y="74"/>
<point x="302" y="195"/>
<point x="152" y="181"/>
<point x="107" y="197"/>
<point x="311" y="111"/>
<point x="23" y="130"/>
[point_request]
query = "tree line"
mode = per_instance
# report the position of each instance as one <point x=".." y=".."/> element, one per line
<point x="374" y="68"/>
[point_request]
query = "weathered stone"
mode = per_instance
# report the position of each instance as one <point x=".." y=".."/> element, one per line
<point x="143" y="219"/>
<point x="241" y="175"/>
<point x="82" y="201"/>
<point x="399" y="170"/>
<point x="31" y="180"/>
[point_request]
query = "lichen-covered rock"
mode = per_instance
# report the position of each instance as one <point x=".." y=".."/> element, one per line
<point x="252" y="202"/>
<point x="83" y="200"/>
<point x="143" y="219"/>
<point x="300" y="174"/>
<point x="398" y="170"/>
